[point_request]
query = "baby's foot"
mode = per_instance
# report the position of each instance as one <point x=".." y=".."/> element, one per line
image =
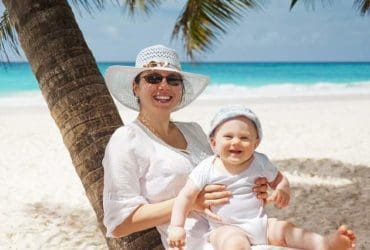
<point x="342" y="239"/>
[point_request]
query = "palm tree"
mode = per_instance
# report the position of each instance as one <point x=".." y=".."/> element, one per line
<point x="74" y="89"/>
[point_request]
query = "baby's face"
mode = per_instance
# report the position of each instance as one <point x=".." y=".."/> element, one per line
<point x="235" y="141"/>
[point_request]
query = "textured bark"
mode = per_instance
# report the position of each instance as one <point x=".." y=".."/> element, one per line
<point x="76" y="95"/>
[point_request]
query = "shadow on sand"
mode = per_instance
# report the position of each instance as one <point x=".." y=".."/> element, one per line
<point x="328" y="203"/>
<point x="320" y="207"/>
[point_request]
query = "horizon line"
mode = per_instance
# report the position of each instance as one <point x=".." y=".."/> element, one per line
<point x="203" y="62"/>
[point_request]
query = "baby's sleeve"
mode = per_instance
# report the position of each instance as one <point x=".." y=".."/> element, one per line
<point x="200" y="174"/>
<point x="122" y="172"/>
<point x="270" y="171"/>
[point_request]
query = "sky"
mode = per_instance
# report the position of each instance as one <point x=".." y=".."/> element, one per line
<point x="327" y="32"/>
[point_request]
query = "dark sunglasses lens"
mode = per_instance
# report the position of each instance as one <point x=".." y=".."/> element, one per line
<point x="174" y="80"/>
<point x="153" y="78"/>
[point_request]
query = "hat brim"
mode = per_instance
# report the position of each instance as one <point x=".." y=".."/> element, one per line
<point x="119" y="80"/>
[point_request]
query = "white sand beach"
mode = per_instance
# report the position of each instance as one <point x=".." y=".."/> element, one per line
<point x="321" y="143"/>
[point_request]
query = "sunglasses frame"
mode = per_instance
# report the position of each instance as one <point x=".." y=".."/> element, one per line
<point x="171" y="79"/>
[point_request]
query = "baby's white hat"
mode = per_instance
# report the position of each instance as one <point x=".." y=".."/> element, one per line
<point x="232" y="111"/>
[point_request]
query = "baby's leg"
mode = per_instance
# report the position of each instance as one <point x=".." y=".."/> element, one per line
<point x="229" y="238"/>
<point x="283" y="233"/>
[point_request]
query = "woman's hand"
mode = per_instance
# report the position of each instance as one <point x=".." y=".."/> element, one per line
<point x="260" y="188"/>
<point x="211" y="195"/>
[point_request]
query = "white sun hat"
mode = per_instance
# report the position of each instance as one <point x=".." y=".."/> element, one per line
<point x="119" y="79"/>
<point x="232" y="111"/>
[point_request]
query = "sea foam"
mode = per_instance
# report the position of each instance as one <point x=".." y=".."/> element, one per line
<point x="227" y="91"/>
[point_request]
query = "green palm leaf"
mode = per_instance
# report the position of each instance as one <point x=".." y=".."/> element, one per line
<point x="8" y="37"/>
<point x="87" y="5"/>
<point x="363" y="6"/>
<point x="203" y="22"/>
<point x="143" y="5"/>
<point x="308" y="3"/>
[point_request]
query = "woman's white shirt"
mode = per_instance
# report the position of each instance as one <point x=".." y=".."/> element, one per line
<point x="140" y="168"/>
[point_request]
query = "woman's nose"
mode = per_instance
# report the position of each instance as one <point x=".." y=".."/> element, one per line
<point x="163" y="84"/>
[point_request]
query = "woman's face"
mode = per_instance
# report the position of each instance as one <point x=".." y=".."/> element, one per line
<point x="160" y="90"/>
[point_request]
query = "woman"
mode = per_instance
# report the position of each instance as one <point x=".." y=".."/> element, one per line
<point x="147" y="162"/>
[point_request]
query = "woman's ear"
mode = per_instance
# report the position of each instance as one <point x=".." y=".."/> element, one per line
<point x="135" y="88"/>
<point x="212" y="142"/>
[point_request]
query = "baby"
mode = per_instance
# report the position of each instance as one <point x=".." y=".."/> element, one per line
<point x="234" y="135"/>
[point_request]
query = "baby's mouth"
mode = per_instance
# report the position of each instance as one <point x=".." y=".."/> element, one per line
<point x="234" y="151"/>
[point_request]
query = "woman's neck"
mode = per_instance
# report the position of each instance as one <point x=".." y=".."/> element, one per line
<point x="159" y="124"/>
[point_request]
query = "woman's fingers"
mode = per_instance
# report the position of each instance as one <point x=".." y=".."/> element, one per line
<point x="214" y="188"/>
<point x="217" y="202"/>
<point x="217" y="195"/>
<point x="260" y="181"/>
<point x="260" y="188"/>
<point x="261" y="196"/>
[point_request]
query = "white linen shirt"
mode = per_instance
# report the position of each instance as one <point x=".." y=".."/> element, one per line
<point x="140" y="168"/>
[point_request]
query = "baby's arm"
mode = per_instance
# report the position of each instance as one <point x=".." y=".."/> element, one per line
<point x="181" y="208"/>
<point x="281" y="194"/>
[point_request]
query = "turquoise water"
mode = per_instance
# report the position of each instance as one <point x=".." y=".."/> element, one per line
<point x="17" y="77"/>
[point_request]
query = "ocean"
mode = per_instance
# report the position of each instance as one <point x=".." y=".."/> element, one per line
<point x="234" y="80"/>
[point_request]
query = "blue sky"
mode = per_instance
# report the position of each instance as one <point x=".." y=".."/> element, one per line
<point x="330" y="32"/>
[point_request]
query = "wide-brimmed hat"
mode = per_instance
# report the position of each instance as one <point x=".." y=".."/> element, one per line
<point x="119" y="79"/>
<point x="232" y="111"/>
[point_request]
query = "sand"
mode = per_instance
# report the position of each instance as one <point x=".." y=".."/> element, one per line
<point x="321" y="144"/>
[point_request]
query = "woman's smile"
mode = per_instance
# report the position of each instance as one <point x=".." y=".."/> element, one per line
<point x="162" y="98"/>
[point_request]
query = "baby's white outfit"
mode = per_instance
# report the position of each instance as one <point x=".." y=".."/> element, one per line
<point x="244" y="209"/>
<point x="140" y="168"/>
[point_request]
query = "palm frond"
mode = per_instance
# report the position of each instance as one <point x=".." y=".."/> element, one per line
<point x="8" y="37"/>
<point x="293" y="3"/>
<point x="143" y="5"/>
<point x="130" y="5"/>
<point x="203" y="22"/>
<point x="363" y="6"/>
<point x="88" y="5"/>
<point x="309" y="3"/>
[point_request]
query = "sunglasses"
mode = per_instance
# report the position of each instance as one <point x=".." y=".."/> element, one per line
<point x="156" y="78"/>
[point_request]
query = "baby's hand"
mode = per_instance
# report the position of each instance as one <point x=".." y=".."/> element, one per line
<point x="280" y="198"/>
<point x="176" y="237"/>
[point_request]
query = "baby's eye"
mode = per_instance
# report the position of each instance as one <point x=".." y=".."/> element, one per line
<point x="244" y="138"/>
<point x="229" y="137"/>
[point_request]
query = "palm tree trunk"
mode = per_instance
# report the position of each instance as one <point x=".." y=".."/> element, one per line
<point x="76" y="95"/>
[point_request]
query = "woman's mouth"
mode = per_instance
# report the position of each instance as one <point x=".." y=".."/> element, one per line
<point x="162" y="98"/>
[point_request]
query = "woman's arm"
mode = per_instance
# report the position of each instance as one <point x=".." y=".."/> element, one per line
<point x="144" y="217"/>
<point x="151" y="215"/>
